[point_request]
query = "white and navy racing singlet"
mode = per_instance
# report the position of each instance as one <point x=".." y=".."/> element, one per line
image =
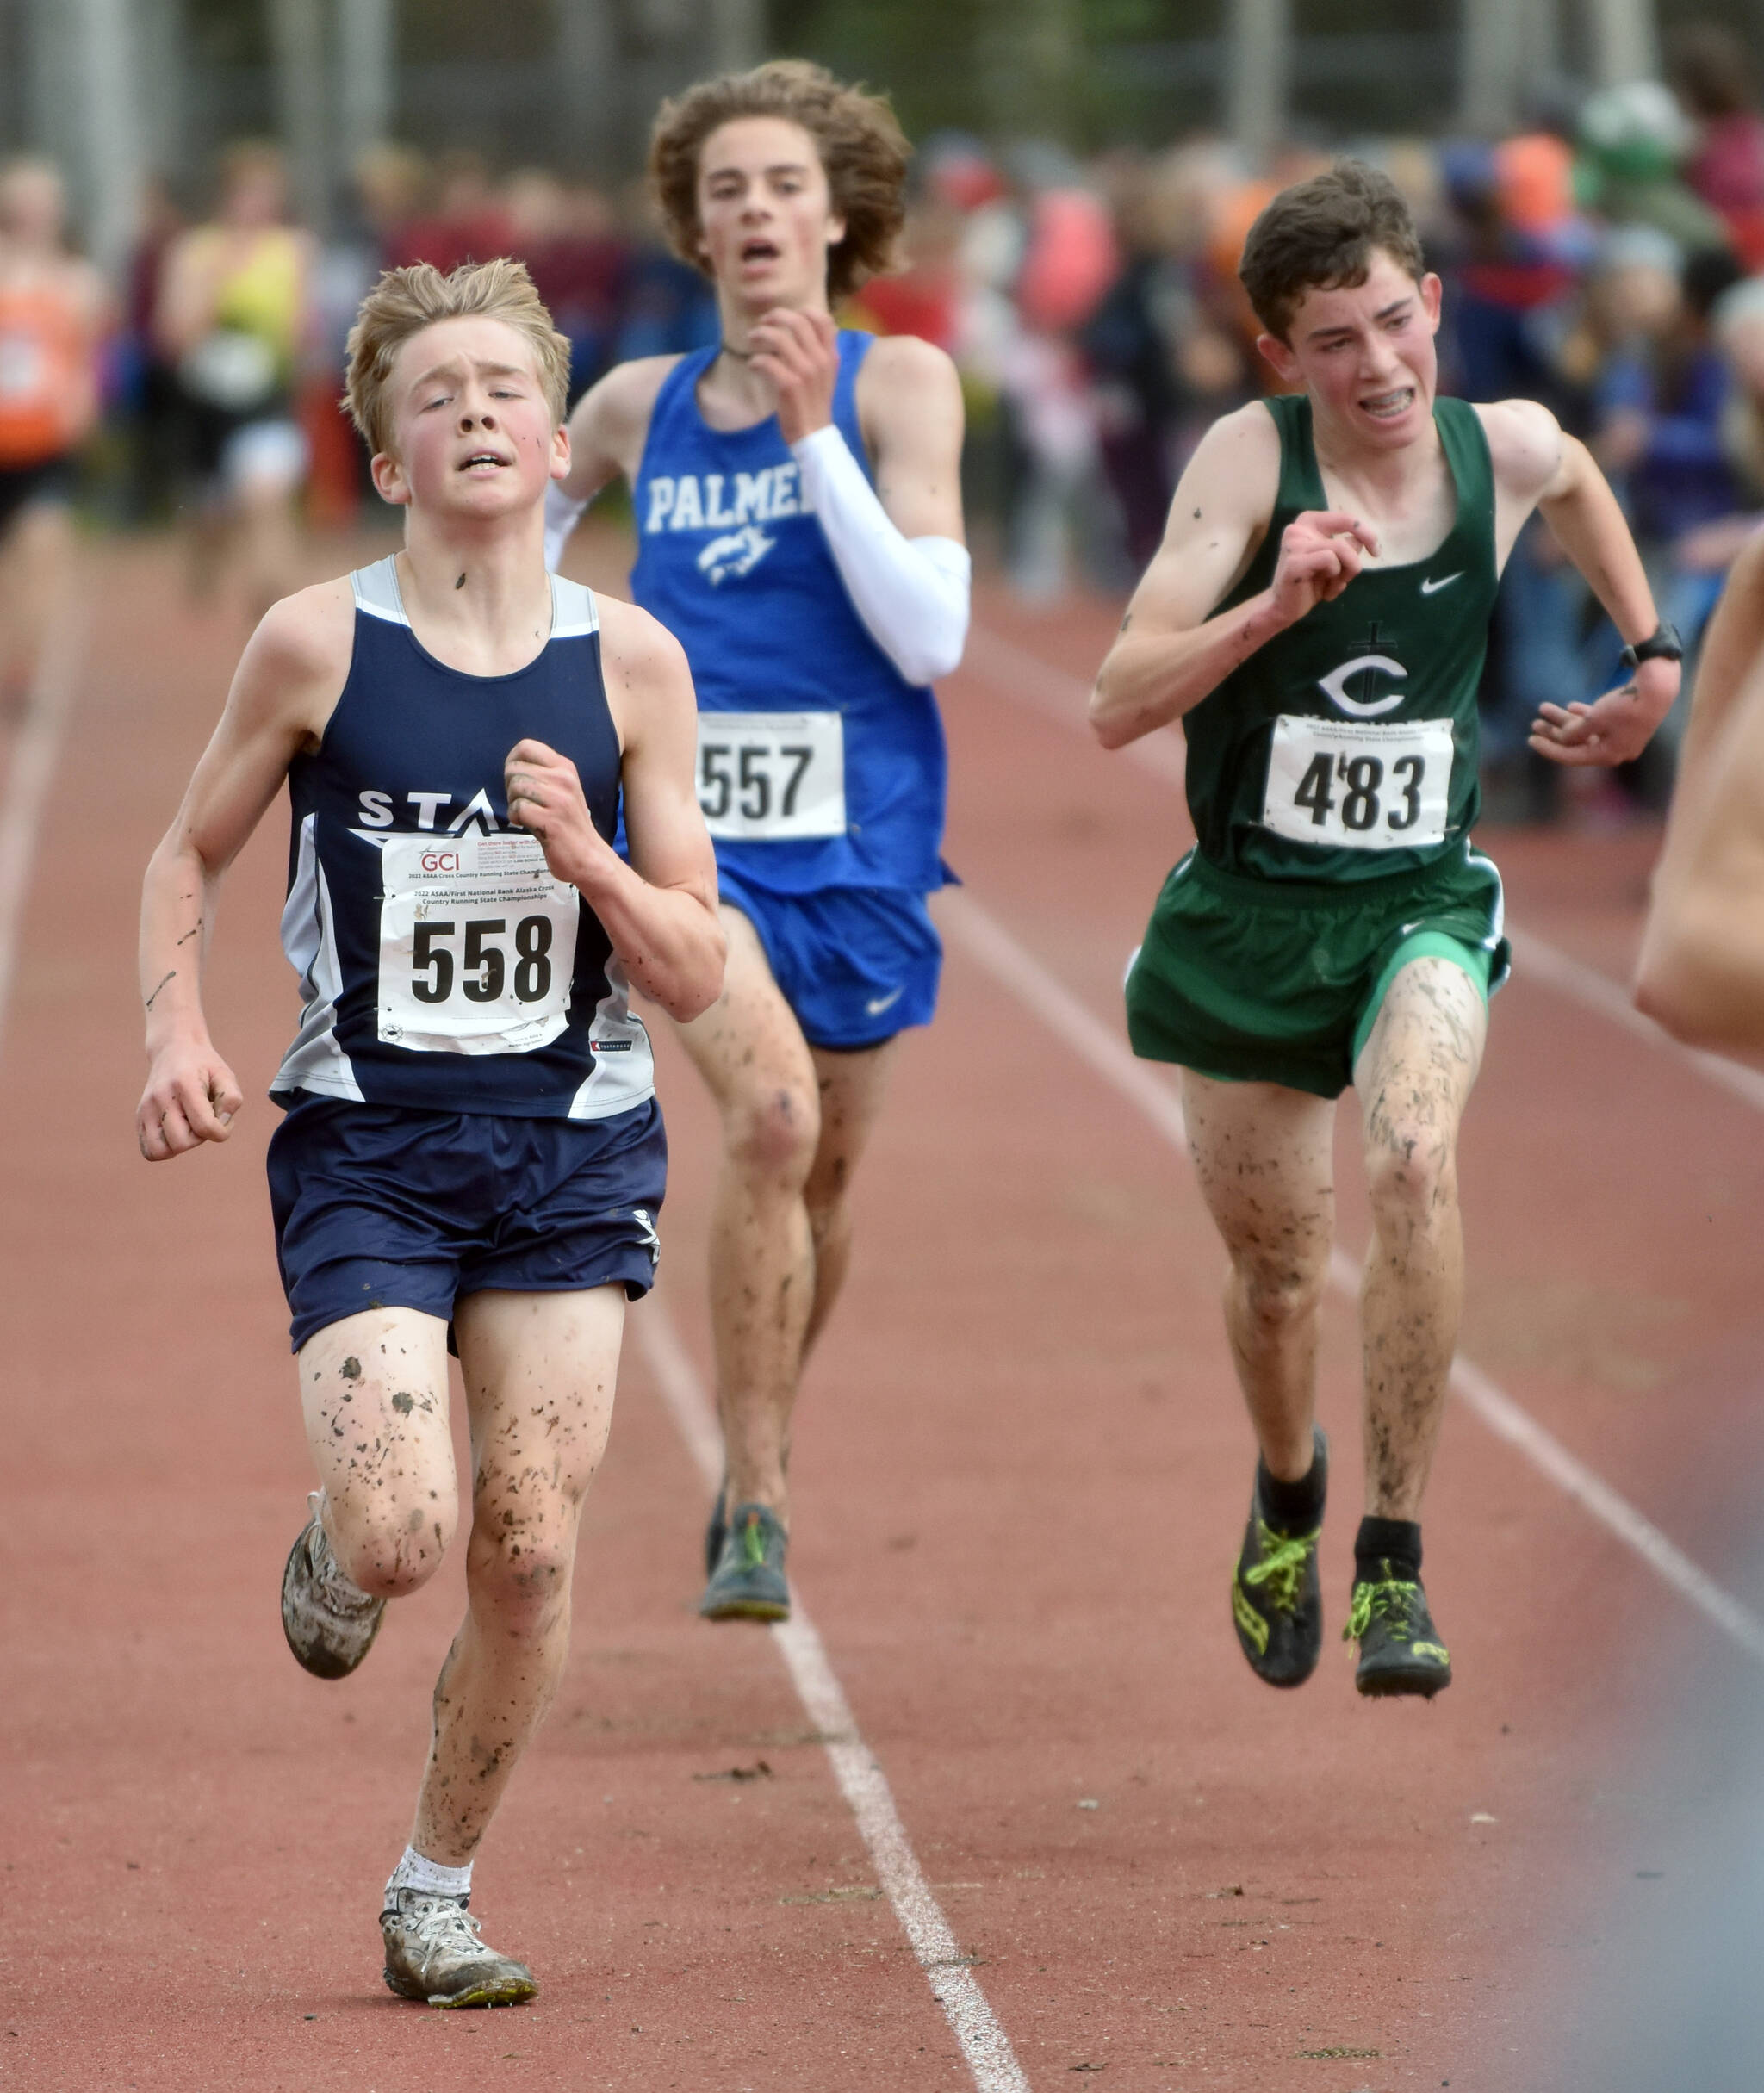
<point x="441" y="964"/>
<point x="819" y="765"/>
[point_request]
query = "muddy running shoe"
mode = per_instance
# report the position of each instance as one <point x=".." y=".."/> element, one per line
<point x="1399" y="1647"/>
<point x="1276" y="1598"/>
<point x="329" y="1621"/>
<point x="748" y="1583"/>
<point x="433" y="1954"/>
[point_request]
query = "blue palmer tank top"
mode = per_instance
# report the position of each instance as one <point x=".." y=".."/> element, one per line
<point x="819" y="765"/>
<point x="441" y="964"/>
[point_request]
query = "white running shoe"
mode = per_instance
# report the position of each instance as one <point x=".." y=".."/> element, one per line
<point x="329" y="1621"/>
<point x="433" y="1954"/>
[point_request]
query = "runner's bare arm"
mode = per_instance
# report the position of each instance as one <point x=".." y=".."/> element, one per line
<point x="1171" y="651"/>
<point x="611" y="421"/>
<point x="660" y="910"/>
<point x="1701" y="970"/>
<point x="289" y="679"/>
<point x="1731" y="647"/>
<point x="1536" y="463"/>
<point x="910" y="408"/>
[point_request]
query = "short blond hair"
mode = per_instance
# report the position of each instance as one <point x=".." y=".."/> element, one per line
<point x="862" y="148"/>
<point x="406" y="301"/>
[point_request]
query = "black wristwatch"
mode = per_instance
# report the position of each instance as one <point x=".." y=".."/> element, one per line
<point x="1662" y="644"/>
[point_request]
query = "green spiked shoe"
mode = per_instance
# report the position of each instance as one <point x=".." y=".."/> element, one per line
<point x="1399" y="1647"/>
<point x="1276" y="1598"/>
<point x="748" y="1583"/>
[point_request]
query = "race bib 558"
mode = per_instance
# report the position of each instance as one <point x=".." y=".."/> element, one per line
<point x="478" y="944"/>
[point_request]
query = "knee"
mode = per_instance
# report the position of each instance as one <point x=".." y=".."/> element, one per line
<point x="1277" y="1296"/>
<point x="520" y="1573"/>
<point x="1411" y="1174"/>
<point x="773" y="1131"/>
<point x="393" y="1549"/>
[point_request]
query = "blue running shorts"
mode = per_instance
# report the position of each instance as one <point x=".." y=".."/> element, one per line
<point x="380" y="1206"/>
<point x="857" y="964"/>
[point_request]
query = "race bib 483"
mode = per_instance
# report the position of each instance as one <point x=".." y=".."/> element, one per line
<point x="772" y="777"/>
<point x="1356" y="786"/>
<point x="477" y="945"/>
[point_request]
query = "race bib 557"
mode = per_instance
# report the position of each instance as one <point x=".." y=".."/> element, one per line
<point x="772" y="777"/>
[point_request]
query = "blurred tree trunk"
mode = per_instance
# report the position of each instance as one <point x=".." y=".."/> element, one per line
<point x="1258" y="73"/>
<point x="1492" y="51"/>
<point x="1625" y="41"/>
<point x="367" y="75"/>
<point x="297" y="38"/>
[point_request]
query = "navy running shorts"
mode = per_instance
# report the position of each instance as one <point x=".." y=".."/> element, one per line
<point x="857" y="964"/>
<point x="380" y="1206"/>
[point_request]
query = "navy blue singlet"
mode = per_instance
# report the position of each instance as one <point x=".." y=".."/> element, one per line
<point x="819" y="765"/>
<point x="441" y="964"/>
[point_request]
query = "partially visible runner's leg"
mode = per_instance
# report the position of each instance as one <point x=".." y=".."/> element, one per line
<point x="374" y="1392"/>
<point x="795" y="1119"/>
<point x="1263" y="1158"/>
<point x="1414" y="1075"/>
<point x="539" y="1371"/>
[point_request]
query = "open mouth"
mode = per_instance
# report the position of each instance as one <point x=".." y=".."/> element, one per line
<point x="1391" y="406"/>
<point x="758" y="251"/>
<point x="484" y="461"/>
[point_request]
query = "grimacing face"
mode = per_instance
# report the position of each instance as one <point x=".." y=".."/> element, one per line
<point x="1365" y="353"/>
<point x="473" y="431"/>
<point x="766" y="219"/>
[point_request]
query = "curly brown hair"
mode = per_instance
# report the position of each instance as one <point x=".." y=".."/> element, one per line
<point x="1319" y="235"/>
<point x="406" y="301"/>
<point x="862" y="149"/>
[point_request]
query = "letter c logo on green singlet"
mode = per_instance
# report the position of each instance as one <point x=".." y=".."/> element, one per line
<point x="1334" y="685"/>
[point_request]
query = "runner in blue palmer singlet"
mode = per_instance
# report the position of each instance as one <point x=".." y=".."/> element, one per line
<point x="795" y="495"/>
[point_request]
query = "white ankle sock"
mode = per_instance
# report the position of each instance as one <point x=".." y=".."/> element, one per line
<point x="417" y="1872"/>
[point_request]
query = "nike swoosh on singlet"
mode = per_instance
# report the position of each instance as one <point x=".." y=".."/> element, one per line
<point x="878" y="1004"/>
<point x="1429" y="587"/>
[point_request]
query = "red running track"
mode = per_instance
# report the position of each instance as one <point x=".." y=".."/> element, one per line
<point x="1020" y="1472"/>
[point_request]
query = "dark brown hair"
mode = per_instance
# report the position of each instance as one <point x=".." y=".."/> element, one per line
<point x="1321" y="235"/>
<point x="862" y="149"/>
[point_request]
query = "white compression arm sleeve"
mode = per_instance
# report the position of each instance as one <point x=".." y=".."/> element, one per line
<point x="912" y="593"/>
<point x="562" y="516"/>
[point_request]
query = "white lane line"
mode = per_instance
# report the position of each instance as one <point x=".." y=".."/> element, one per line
<point x="963" y="920"/>
<point x="27" y="779"/>
<point x="1014" y="673"/>
<point x="985" y="2045"/>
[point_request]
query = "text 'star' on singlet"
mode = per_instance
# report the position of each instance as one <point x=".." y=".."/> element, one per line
<point x="819" y="765"/>
<point x="441" y="964"/>
<point x="1344" y="748"/>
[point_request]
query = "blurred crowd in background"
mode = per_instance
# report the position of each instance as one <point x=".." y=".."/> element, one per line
<point x="1607" y="259"/>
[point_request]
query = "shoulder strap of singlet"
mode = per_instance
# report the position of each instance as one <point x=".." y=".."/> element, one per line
<point x="674" y="396"/>
<point x="1301" y="483"/>
<point x="1465" y="442"/>
<point x="853" y="346"/>
<point x="575" y="613"/>
<point x="376" y="592"/>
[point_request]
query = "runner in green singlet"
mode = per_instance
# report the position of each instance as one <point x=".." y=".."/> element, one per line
<point x="1316" y="617"/>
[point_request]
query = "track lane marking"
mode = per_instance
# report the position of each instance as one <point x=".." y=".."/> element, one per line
<point x="983" y="2044"/>
<point x="1040" y="991"/>
<point x="1012" y="672"/>
<point x="34" y="756"/>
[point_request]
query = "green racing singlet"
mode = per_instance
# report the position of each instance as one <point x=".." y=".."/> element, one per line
<point x="1344" y="748"/>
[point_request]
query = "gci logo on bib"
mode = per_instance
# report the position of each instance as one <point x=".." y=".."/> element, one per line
<point x="478" y="944"/>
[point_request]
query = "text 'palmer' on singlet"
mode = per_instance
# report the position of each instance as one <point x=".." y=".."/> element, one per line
<point x="441" y="964"/>
<point x="1345" y="748"/>
<point x="819" y="765"/>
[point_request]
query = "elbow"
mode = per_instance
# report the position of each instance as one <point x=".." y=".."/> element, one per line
<point x="1684" y="981"/>
<point x="1108" y="727"/>
<point x="700" y="983"/>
